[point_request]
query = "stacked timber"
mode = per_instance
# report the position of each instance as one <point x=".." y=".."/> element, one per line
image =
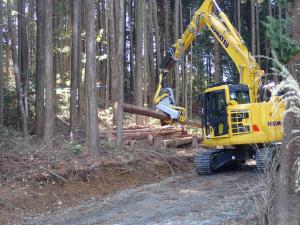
<point x="167" y="136"/>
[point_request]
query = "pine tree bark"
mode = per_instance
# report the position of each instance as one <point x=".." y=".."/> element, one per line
<point x="49" y="79"/>
<point x="75" y="67"/>
<point x="140" y="12"/>
<point x="92" y="116"/>
<point x="40" y="68"/>
<point x="16" y="68"/>
<point x="1" y="65"/>
<point x="120" y="111"/>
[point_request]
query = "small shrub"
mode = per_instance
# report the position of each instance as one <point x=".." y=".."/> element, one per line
<point x="76" y="149"/>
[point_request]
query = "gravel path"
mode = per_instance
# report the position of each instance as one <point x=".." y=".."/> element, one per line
<point x="189" y="199"/>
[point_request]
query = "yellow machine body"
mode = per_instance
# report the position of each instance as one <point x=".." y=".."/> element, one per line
<point x="251" y="123"/>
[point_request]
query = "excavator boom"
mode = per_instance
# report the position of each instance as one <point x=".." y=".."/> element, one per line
<point x="230" y="40"/>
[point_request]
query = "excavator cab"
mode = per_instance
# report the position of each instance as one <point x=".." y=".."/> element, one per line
<point x="214" y="107"/>
<point x="214" y="113"/>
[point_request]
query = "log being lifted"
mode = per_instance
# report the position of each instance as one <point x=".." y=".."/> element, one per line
<point x="157" y="115"/>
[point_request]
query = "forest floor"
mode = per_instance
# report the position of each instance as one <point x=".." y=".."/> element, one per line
<point x="141" y="185"/>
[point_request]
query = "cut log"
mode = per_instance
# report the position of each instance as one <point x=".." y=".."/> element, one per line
<point x="157" y="115"/>
<point x="181" y="141"/>
<point x="151" y="129"/>
<point x="145" y="135"/>
<point x="134" y="127"/>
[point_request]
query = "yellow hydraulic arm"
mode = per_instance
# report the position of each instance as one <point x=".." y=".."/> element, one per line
<point x="228" y="37"/>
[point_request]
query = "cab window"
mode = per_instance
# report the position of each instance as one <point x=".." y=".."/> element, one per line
<point x="240" y="96"/>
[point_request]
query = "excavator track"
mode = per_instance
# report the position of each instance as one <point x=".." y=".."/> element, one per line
<point x="213" y="160"/>
<point x="203" y="162"/>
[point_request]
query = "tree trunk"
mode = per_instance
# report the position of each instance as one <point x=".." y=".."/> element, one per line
<point x="267" y="42"/>
<point x="131" y="51"/>
<point x="293" y="64"/>
<point x="1" y="65"/>
<point x="112" y="53"/>
<point x="167" y="39"/>
<point x="239" y="16"/>
<point x="120" y="112"/>
<point x="23" y="52"/>
<point x="166" y="6"/>
<point x="146" y="60"/>
<point x="81" y="79"/>
<point x="217" y="76"/>
<point x="258" y="33"/>
<point x="157" y="34"/>
<point x="253" y="36"/>
<point x="40" y="67"/>
<point x="152" y="71"/>
<point x="140" y="12"/>
<point x="16" y="68"/>
<point x="108" y="61"/>
<point x="75" y="68"/>
<point x="49" y="102"/>
<point x="176" y="68"/>
<point x="92" y="117"/>
<point x="288" y="199"/>
<point x="270" y="8"/>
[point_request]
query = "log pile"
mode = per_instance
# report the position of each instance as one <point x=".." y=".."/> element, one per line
<point x="159" y="137"/>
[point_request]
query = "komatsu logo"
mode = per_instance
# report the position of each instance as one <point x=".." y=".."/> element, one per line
<point x="220" y="36"/>
<point x="274" y="123"/>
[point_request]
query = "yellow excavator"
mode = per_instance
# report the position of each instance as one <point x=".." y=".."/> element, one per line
<point x="240" y="121"/>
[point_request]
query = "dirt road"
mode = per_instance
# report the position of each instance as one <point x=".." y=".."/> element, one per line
<point x="189" y="199"/>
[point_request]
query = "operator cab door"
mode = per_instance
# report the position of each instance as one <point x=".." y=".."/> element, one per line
<point x="214" y="115"/>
